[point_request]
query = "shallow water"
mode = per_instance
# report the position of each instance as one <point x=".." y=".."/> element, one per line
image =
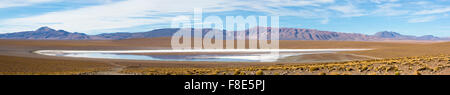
<point x="255" y="55"/>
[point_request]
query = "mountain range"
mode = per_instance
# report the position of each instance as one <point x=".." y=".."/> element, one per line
<point x="46" y="33"/>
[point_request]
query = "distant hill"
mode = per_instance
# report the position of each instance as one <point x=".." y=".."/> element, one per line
<point x="387" y="34"/>
<point x="397" y="36"/>
<point x="46" y="33"/>
<point x="312" y="34"/>
<point x="155" y="33"/>
<point x="166" y="32"/>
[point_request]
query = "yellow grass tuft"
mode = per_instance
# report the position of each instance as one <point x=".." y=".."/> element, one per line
<point x="259" y="72"/>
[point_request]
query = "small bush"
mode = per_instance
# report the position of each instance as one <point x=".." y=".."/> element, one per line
<point x="391" y="69"/>
<point x="314" y="68"/>
<point x="349" y="69"/>
<point x="364" y="68"/>
<point x="322" y="73"/>
<point x="423" y="69"/>
<point x="259" y="72"/>
<point x="437" y="69"/>
<point x="418" y="73"/>
<point x="397" y="73"/>
<point x="215" y="73"/>
<point x="237" y="72"/>
<point x="276" y="73"/>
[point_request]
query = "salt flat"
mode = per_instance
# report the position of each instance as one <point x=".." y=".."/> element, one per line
<point x="262" y="55"/>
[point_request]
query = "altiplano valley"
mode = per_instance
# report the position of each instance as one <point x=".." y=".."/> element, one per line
<point x="303" y="57"/>
<point x="254" y="47"/>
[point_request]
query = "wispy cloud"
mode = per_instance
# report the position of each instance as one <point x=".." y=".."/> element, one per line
<point x="422" y="19"/>
<point x="132" y="13"/>
<point x="115" y="15"/>
<point x="421" y="3"/>
<point x="325" y="21"/>
<point x="109" y="16"/>
<point x="382" y="1"/>
<point x="433" y="11"/>
<point x="348" y="10"/>
<point x="17" y="3"/>
<point x="389" y="10"/>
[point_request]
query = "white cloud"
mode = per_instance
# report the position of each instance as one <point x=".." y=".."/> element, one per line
<point x="134" y="13"/>
<point x="348" y="10"/>
<point x="389" y="10"/>
<point x="433" y="11"/>
<point x="422" y="19"/>
<point x="421" y="3"/>
<point x="17" y="3"/>
<point x="117" y="15"/>
<point x="109" y="16"/>
<point x="382" y="1"/>
<point x="325" y="21"/>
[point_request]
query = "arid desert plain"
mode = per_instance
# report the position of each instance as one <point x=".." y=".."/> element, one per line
<point x="19" y="57"/>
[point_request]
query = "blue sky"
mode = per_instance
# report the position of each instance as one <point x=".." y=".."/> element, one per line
<point x="411" y="17"/>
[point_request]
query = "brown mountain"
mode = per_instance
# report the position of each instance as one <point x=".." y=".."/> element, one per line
<point x="312" y="34"/>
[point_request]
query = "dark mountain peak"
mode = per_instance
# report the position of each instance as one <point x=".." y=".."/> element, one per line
<point x="45" y="29"/>
<point x="48" y="30"/>
<point x="388" y="34"/>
